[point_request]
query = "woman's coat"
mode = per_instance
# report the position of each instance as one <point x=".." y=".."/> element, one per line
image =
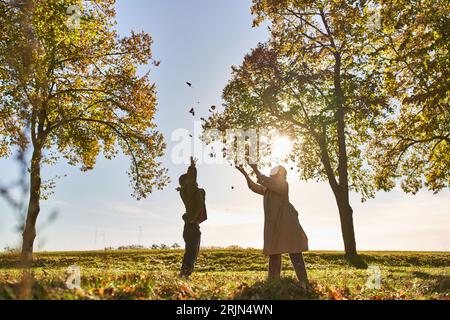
<point x="282" y="230"/>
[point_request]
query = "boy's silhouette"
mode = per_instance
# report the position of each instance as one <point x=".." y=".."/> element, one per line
<point x="194" y="201"/>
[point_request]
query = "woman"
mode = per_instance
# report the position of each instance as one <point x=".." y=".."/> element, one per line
<point x="282" y="230"/>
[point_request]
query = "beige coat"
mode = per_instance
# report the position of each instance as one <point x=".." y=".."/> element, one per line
<point x="282" y="230"/>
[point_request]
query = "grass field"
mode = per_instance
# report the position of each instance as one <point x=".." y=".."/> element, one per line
<point x="225" y="274"/>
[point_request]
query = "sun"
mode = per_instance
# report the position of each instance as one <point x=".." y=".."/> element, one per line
<point x="281" y="148"/>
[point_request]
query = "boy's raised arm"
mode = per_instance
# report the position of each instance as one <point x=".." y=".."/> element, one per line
<point x="192" y="173"/>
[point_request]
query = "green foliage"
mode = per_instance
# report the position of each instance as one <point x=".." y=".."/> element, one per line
<point x="413" y="143"/>
<point x="312" y="81"/>
<point x="384" y="64"/>
<point x="226" y="274"/>
<point x="76" y="92"/>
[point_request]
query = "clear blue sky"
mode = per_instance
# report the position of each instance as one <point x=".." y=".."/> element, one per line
<point x="198" y="41"/>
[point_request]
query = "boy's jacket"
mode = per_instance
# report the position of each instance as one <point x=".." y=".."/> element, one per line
<point x="193" y="198"/>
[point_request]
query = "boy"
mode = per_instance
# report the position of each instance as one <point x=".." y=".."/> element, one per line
<point x="194" y="201"/>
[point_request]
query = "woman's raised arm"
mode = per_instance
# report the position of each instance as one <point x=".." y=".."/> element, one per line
<point x="259" y="189"/>
<point x="273" y="184"/>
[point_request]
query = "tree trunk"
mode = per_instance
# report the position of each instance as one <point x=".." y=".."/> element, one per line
<point x="342" y="192"/>
<point x="348" y="231"/>
<point x="29" y="232"/>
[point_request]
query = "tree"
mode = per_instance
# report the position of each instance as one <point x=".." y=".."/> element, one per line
<point x="312" y="81"/>
<point x="70" y="88"/>
<point x="176" y="246"/>
<point x="413" y="143"/>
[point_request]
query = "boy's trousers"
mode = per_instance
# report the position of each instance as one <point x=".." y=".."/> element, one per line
<point x="191" y="236"/>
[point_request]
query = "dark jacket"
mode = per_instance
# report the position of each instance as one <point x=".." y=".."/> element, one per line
<point x="193" y="198"/>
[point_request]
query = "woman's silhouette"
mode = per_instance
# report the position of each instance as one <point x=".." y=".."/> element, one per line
<point x="282" y="230"/>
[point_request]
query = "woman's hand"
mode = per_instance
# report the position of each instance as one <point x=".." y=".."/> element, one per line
<point x="255" y="169"/>
<point x="252" y="185"/>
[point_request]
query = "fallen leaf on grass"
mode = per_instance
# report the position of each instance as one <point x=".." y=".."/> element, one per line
<point x="334" y="294"/>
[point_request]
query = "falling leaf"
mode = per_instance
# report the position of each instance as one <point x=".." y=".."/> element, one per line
<point x="192" y="111"/>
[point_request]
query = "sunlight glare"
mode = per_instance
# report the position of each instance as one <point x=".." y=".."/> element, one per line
<point x="281" y="148"/>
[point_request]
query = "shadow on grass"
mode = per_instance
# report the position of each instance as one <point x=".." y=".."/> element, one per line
<point x="26" y="288"/>
<point x="439" y="283"/>
<point x="356" y="261"/>
<point x="423" y="275"/>
<point x="225" y="260"/>
<point x="13" y="262"/>
<point x="279" y="289"/>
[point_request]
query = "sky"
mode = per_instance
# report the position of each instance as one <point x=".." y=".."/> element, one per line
<point x="198" y="41"/>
